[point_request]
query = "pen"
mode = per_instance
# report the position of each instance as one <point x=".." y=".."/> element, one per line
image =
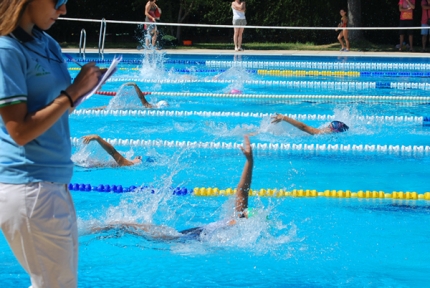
<point x="73" y="60"/>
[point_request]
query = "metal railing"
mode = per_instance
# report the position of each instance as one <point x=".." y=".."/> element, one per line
<point x="83" y="38"/>
<point x="102" y="37"/>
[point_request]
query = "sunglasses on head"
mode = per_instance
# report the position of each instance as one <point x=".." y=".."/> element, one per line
<point x="60" y="3"/>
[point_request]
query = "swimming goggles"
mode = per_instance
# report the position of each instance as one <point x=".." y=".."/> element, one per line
<point x="60" y="3"/>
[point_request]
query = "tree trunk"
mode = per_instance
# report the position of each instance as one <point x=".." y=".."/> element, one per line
<point x="178" y="28"/>
<point x="354" y="19"/>
<point x="184" y="10"/>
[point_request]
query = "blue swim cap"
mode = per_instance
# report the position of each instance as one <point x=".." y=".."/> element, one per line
<point x="337" y="126"/>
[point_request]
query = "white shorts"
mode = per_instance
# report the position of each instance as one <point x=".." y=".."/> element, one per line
<point x="38" y="221"/>
<point x="239" y="22"/>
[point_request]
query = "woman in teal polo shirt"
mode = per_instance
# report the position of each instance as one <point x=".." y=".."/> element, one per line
<point x="37" y="215"/>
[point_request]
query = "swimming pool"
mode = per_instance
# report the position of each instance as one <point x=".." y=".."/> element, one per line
<point x="314" y="241"/>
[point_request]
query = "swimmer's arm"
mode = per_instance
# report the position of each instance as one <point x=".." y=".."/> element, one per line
<point x="119" y="159"/>
<point x="140" y="95"/>
<point x="244" y="185"/>
<point x="120" y="225"/>
<point x="300" y="125"/>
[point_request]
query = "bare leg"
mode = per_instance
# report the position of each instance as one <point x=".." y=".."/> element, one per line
<point x="345" y="36"/>
<point x="154" y="37"/>
<point x="411" y="38"/>
<point x="239" y="37"/>
<point x="339" y="38"/>
<point x="235" y="37"/>
<point x="402" y="38"/>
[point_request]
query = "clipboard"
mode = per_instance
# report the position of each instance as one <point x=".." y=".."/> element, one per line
<point x="111" y="70"/>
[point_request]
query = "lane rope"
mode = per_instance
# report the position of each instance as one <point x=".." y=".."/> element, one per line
<point x="212" y="192"/>
<point x="225" y="114"/>
<point x="334" y="85"/>
<point x="310" y="148"/>
<point x="344" y="66"/>
<point x="296" y="97"/>
<point x="423" y="67"/>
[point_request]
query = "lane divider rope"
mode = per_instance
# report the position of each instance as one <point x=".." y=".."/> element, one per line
<point x="289" y="73"/>
<point x="334" y="85"/>
<point x="364" y="148"/>
<point x="285" y="96"/>
<point x="424" y="67"/>
<point x="182" y="191"/>
<point x="162" y="113"/>
<point x="297" y="73"/>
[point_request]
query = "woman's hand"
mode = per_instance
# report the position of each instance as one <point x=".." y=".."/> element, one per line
<point x="86" y="80"/>
<point x="277" y="118"/>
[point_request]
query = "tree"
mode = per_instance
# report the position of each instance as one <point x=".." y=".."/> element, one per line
<point x="354" y="19"/>
<point x="185" y="8"/>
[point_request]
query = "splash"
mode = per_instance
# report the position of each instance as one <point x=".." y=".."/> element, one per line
<point x="126" y="98"/>
<point x="92" y="155"/>
<point x="239" y="75"/>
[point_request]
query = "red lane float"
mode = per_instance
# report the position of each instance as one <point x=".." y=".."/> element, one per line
<point x="111" y="93"/>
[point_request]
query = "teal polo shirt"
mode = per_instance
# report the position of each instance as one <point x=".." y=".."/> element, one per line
<point x="33" y="71"/>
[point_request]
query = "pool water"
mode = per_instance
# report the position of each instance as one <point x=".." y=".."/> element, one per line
<point x="292" y="241"/>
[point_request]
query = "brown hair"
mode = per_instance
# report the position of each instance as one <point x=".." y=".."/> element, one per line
<point x="11" y="12"/>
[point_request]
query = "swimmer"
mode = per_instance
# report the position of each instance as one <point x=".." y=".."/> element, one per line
<point x="142" y="99"/>
<point x="119" y="159"/>
<point x="158" y="232"/>
<point x="235" y="91"/>
<point x="333" y="127"/>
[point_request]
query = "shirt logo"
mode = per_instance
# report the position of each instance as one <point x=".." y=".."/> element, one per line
<point x="40" y="71"/>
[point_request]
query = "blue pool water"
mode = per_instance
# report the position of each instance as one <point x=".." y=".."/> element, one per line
<point x="304" y="242"/>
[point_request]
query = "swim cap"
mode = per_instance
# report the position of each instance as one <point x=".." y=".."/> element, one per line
<point x="337" y="126"/>
<point x="235" y="91"/>
<point x="162" y="104"/>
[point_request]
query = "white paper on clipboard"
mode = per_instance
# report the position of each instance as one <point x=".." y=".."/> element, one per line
<point x="111" y="70"/>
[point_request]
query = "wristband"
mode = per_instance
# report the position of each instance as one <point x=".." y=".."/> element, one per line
<point x="68" y="96"/>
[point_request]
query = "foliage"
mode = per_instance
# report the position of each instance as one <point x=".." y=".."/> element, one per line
<point x="303" y="13"/>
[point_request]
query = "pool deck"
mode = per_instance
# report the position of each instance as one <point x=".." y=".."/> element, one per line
<point x="262" y="52"/>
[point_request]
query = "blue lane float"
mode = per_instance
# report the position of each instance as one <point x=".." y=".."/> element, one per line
<point x="135" y="61"/>
<point x="106" y="188"/>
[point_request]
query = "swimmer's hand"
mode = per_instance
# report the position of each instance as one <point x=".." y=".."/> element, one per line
<point x="277" y="118"/>
<point x="130" y="84"/>
<point x="246" y="148"/>
<point x="89" y="138"/>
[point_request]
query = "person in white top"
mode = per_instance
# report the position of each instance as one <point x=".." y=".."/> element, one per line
<point x="238" y="7"/>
